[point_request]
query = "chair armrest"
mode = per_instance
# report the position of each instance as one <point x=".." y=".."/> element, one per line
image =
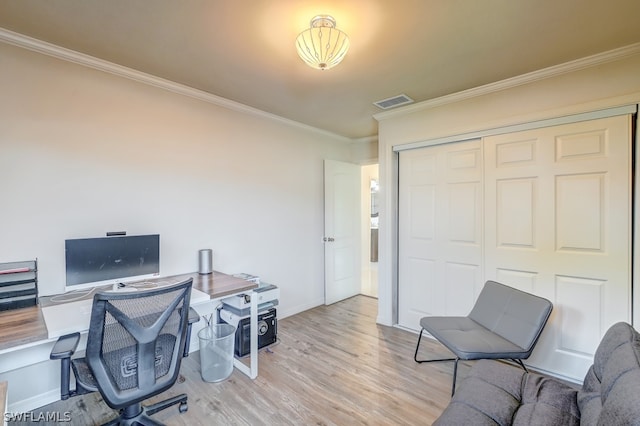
<point x="65" y="347"/>
<point x="193" y="318"/>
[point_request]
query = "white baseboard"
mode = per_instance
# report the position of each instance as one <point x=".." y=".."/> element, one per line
<point x="297" y="309"/>
<point x="34" y="402"/>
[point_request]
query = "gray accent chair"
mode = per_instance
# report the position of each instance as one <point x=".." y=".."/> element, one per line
<point x="505" y="323"/>
<point x="495" y="393"/>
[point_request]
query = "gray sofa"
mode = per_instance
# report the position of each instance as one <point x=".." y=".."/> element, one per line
<point x="496" y="393"/>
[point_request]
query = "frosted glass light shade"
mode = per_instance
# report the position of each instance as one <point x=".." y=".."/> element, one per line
<point x="322" y="46"/>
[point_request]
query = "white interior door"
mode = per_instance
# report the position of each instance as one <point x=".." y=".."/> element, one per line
<point x="342" y="216"/>
<point x="440" y="231"/>
<point x="558" y="212"/>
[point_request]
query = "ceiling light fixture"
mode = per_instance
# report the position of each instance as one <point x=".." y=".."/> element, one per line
<point x="322" y="46"/>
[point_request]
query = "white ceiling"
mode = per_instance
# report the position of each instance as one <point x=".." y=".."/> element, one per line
<point x="243" y="50"/>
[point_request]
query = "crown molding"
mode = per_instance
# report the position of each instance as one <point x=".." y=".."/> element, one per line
<point x="365" y="139"/>
<point x="33" y="44"/>
<point x="556" y="70"/>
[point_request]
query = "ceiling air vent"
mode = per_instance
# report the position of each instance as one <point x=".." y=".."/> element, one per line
<point x="393" y="102"/>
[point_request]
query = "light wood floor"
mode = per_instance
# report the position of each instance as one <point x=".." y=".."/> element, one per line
<point x="333" y="366"/>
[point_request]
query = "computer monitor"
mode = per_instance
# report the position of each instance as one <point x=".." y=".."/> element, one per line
<point x="101" y="261"/>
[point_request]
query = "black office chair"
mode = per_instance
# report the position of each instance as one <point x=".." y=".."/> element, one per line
<point x="134" y="349"/>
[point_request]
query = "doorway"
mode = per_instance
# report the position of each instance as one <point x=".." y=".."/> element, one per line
<point x="369" y="230"/>
<point x="351" y="230"/>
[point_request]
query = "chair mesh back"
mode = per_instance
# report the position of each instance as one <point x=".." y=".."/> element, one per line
<point x="119" y="347"/>
<point x="135" y="346"/>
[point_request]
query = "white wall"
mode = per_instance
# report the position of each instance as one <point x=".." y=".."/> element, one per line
<point x="83" y="152"/>
<point x="364" y="151"/>
<point x="571" y="89"/>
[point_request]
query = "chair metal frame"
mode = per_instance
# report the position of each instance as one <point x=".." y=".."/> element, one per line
<point x="455" y="364"/>
<point x="491" y="320"/>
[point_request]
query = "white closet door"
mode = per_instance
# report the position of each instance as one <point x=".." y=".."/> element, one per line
<point x="440" y="231"/>
<point x="558" y="213"/>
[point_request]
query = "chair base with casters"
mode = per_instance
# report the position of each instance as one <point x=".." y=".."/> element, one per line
<point x="505" y="323"/>
<point x="134" y="414"/>
<point x="139" y="415"/>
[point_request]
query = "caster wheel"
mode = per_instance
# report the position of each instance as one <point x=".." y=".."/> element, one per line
<point x="183" y="407"/>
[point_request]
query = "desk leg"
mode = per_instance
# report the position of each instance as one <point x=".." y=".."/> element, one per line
<point x="252" y="370"/>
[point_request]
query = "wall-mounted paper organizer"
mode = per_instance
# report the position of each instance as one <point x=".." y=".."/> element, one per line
<point x="18" y="284"/>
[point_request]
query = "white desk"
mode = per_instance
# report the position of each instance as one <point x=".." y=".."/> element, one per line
<point x="25" y="343"/>
<point x="252" y="369"/>
<point x="69" y="317"/>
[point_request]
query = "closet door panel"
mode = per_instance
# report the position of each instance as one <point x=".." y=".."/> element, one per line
<point x="557" y="208"/>
<point x="440" y="231"/>
<point x="515" y="221"/>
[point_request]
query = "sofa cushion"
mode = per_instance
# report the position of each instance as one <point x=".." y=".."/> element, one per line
<point x="609" y="394"/>
<point x="495" y="393"/>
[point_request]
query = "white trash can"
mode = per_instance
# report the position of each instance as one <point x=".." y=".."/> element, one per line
<point x="216" y="351"/>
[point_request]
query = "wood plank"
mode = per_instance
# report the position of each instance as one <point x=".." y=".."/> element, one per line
<point x="21" y="326"/>
<point x="218" y="284"/>
<point x="333" y="365"/>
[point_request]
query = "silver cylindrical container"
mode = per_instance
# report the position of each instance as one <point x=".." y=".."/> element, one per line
<point x="205" y="263"/>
